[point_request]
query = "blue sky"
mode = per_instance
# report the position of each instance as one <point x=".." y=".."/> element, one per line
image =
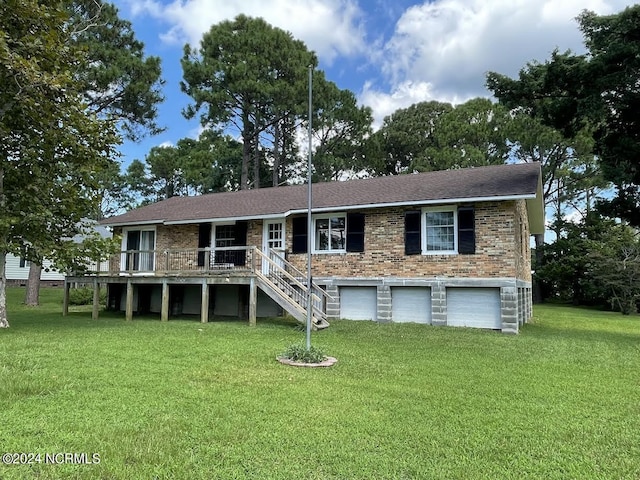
<point x="389" y="53"/>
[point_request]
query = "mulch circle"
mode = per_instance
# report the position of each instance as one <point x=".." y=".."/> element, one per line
<point x="329" y="361"/>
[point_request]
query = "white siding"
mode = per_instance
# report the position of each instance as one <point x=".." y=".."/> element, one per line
<point x="474" y="307"/>
<point x="15" y="272"/>
<point x="358" y="303"/>
<point x="411" y="304"/>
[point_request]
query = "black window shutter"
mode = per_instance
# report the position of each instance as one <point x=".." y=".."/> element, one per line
<point x="204" y="240"/>
<point x="240" y="234"/>
<point x="412" y="233"/>
<point x="240" y="240"/>
<point x="299" y="227"/>
<point x="355" y="232"/>
<point x="466" y="230"/>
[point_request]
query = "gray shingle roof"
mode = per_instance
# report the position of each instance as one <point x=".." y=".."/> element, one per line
<point x="492" y="182"/>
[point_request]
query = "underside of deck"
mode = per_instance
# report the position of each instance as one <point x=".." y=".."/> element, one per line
<point x="129" y="283"/>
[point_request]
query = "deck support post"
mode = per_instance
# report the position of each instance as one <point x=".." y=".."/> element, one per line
<point x="129" y="301"/>
<point x="253" y="301"/>
<point x="96" y="299"/>
<point x="204" y="309"/>
<point x="65" y="300"/>
<point x="164" y="308"/>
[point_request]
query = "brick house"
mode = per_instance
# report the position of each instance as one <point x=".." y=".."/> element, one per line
<point x="442" y="248"/>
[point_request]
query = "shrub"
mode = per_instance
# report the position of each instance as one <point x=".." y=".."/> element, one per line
<point x="299" y="353"/>
<point x="84" y="296"/>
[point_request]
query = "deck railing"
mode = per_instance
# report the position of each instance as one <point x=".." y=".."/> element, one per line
<point x="194" y="261"/>
<point x="280" y="276"/>
<point x="292" y="282"/>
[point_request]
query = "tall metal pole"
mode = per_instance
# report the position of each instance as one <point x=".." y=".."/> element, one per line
<point x="309" y="222"/>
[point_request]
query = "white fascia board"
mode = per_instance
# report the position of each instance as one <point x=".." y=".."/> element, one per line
<point x="445" y="201"/>
<point x="134" y="224"/>
<point x="226" y="219"/>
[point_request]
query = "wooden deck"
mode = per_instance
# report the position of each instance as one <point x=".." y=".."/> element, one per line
<point x="203" y="267"/>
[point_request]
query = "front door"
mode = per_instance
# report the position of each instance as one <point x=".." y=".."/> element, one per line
<point x="273" y="241"/>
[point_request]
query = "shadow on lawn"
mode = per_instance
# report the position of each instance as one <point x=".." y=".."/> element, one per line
<point x="37" y="319"/>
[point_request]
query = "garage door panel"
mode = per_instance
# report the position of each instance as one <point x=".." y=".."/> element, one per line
<point x="411" y="304"/>
<point x="474" y="307"/>
<point x="358" y="303"/>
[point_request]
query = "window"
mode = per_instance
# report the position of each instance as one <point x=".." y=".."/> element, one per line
<point x="440" y="228"/>
<point x="233" y="235"/>
<point x="225" y="235"/>
<point x="330" y="233"/>
<point x="140" y="246"/>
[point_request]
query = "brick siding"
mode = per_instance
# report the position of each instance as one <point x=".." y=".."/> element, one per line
<point x="499" y="249"/>
<point x="502" y="247"/>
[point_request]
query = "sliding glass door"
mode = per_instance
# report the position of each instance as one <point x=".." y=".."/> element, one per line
<point x="140" y="246"/>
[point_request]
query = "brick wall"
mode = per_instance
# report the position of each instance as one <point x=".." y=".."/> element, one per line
<point x="502" y="247"/>
<point x="176" y="237"/>
<point x="498" y="248"/>
<point x="254" y="233"/>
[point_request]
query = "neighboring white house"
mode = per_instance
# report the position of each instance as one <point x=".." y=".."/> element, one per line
<point x="17" y="271"/>
<point x="17" y="268"/>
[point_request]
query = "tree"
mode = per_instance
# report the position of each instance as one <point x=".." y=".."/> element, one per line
<point x="593" y="262"/>
<point x="212" y="163"/>
<point x="339" y="128"/>
<point x="50" y="146"/>
<point x="116" y="82"/>
<point x="113" y="193"/>
<point x="469" y="135"/>
<point x="250" y="76"/>
<point x="406" y="135"/>
<point x="430" y="136"/>
<point x="615" y="268"/>
<point x="598" y="91"/>
<point x="209" y="164"/>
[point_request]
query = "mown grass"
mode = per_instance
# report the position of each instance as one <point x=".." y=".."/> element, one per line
<point x="183" y="400"/>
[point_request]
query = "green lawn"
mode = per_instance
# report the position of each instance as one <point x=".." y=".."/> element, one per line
<point x="183" y="400"/>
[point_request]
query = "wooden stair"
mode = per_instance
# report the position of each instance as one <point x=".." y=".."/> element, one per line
<point x="281" y="281"/>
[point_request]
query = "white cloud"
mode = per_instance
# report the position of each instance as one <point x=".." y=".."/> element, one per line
<point x="443" y="49"/>
<point x="402" y="96"/>
<point x="331" y="28"/>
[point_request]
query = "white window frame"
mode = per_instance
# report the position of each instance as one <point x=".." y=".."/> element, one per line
<point x="315" y="218"/>
<point x="125" y="237"/>
<point x="425" y="210"/>
<point x="214" y="238"/>
<point x="265" y="232"/>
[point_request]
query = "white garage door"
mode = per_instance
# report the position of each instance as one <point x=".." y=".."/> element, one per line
<point x="411" y="304"/>
<point x="474" y="307"/>
<point x="358" y="303"/>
